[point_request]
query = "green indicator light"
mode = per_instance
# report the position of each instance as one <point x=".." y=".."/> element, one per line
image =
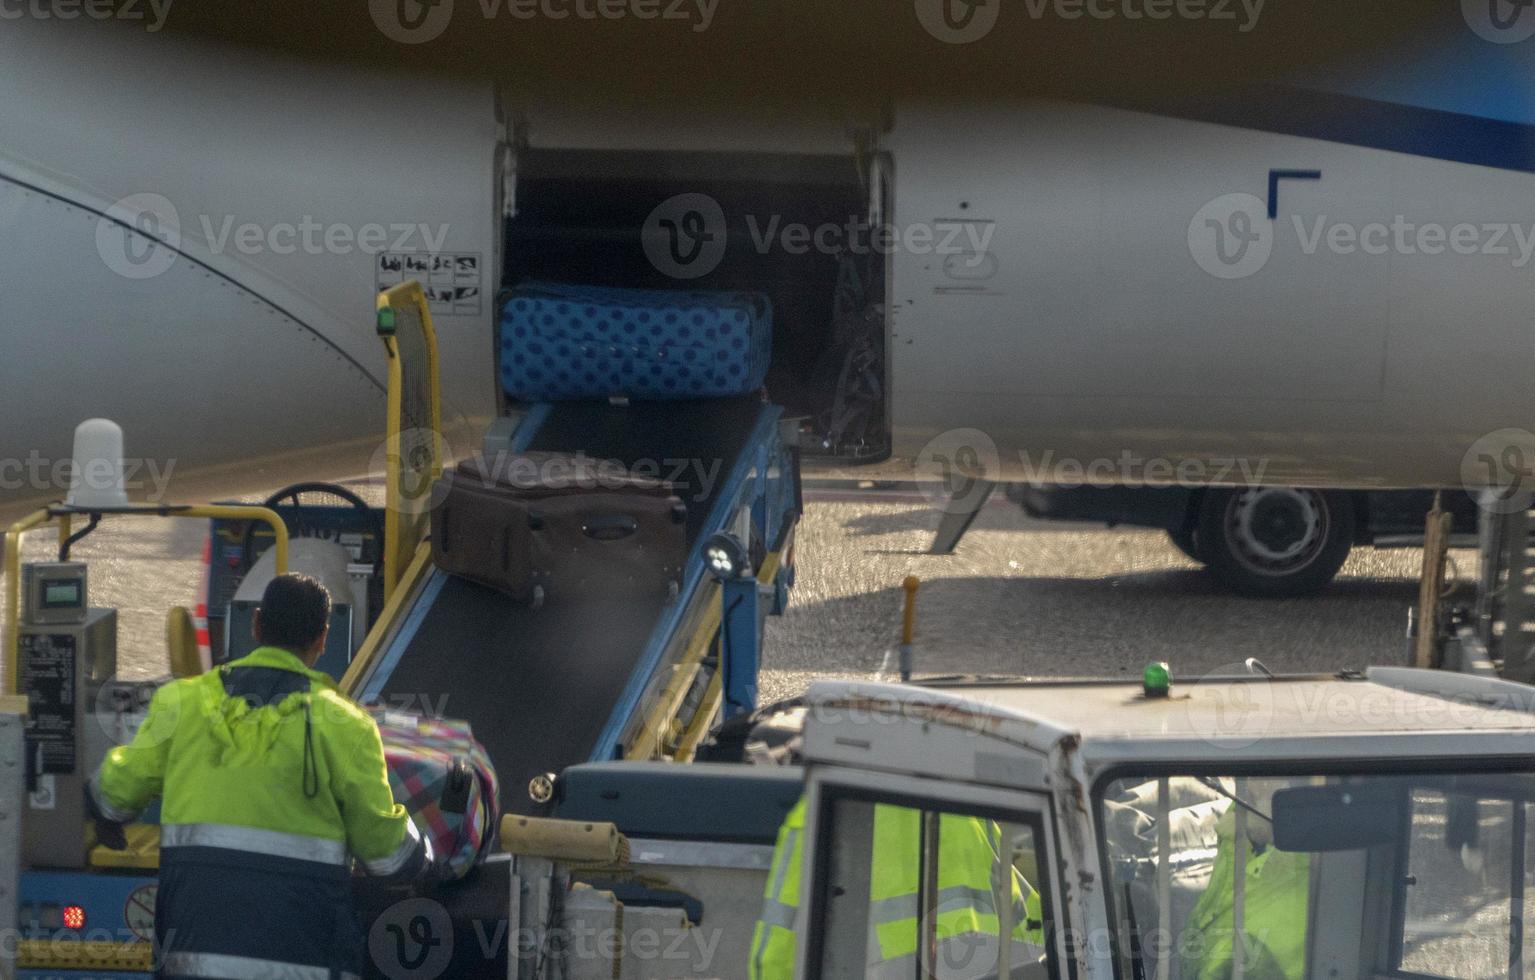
<point x="1157" y="681"/>
<point x="386" y="322"/>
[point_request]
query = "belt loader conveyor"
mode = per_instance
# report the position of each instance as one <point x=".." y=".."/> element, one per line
<point x="582" y="678"/>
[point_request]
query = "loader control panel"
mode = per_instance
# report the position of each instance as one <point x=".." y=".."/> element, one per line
<point x="54" y="592"/>
<point x="67" y="655"/>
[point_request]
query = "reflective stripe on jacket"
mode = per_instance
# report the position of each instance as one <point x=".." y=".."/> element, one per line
<point x="967" y="920"/>
<point x="269" y="779"/>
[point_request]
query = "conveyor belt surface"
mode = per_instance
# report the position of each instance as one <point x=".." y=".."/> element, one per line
<point x="676" y="438"/>
<point x="539" y="686"/>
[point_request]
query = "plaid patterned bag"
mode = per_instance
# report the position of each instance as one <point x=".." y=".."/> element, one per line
<point x="445" y="780"/>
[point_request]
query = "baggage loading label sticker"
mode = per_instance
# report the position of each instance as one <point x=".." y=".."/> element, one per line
<point x="452" y="281"/>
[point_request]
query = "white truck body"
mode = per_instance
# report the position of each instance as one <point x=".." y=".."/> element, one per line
<point x="1121" y="810"/>
<point x="1047" y="754"/>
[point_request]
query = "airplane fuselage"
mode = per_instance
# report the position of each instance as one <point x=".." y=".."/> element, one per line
<point x="1070" y="291"/>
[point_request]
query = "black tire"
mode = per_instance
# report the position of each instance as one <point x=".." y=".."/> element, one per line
<point x="1186" y="540"/>
<point x="1275" y="542"/>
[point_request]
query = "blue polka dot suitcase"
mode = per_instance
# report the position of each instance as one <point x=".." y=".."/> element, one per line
<point x="567" y="343"/>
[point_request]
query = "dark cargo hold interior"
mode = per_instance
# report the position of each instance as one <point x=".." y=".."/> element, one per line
<point x="581" y="217"/>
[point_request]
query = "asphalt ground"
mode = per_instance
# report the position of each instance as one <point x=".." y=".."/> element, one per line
<point x="1019" y="597"/>
<point x="1027" y="597"/>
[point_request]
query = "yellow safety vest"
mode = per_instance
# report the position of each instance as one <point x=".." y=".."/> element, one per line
<point x="968" y="850"/>
<point x="1275" y="898"/>
<point x="270" y="779"/>
<point x="223" y="766"/>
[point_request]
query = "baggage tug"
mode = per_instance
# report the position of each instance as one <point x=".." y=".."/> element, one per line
<point x="617" y="657"/>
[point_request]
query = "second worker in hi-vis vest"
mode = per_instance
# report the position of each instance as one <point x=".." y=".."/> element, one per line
<point x="966" y="924"/>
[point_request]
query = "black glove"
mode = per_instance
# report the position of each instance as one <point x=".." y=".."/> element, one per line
<point x="109" y="834"/>
<point x="434" y="871"/>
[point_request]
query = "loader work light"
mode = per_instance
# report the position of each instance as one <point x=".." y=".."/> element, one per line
<point x="726" y="557"/>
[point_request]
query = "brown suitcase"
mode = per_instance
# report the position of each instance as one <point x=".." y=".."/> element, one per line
<point x="541" y="524"/>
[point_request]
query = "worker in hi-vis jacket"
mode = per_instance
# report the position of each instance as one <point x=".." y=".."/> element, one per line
<point x="271" y="781"/>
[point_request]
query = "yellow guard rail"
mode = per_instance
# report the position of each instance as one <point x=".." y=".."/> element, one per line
<point x="13" y="536"/>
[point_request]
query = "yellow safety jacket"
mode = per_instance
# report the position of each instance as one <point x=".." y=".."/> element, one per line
<point x="968" y="849"/>
<point x="269" y="780"/>
<point x="1275" y="899"/>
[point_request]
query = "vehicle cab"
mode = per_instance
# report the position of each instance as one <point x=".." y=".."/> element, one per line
<point x="1354" y="826"/>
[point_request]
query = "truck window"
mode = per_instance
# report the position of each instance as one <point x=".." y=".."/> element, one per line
<point x="1335" y="877"/>
<point x="1467" y="868"/>
<point x="912" y="891"/>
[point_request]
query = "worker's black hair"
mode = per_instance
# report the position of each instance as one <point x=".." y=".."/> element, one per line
<point x="294" y="611"/>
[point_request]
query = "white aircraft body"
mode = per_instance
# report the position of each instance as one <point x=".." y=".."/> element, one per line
<point x="195" y="235"/>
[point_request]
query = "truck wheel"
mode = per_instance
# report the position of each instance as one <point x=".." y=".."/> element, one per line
<point x="1186" y="539"/>
<point x="1274" y="541"/>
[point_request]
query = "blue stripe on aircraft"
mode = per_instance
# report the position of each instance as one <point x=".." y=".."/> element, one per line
<point x="1355" y="121"/>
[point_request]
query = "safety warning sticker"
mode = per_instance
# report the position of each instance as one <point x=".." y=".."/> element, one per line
<point x="453" y="281"/>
